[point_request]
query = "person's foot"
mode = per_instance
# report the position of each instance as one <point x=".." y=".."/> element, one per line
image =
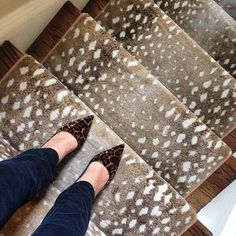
<point x="97" y="175"/>
<point x="102" y="168"/>
<point x="63" y="143"/>
<point x="70" y="136"/>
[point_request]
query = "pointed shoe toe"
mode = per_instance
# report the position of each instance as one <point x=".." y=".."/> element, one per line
<point x="110" y="159"/>
<point x="79" y="129"/>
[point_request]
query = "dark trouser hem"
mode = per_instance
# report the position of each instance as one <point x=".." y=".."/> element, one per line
<point x="24" y="176"/>
<point x="70" y="214"/>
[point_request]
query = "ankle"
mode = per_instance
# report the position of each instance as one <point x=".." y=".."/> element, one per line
<point x="63" y="143"/>
<point x="97" y="175"/>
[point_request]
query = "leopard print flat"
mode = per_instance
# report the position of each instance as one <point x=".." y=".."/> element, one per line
<point x="110" y="159"/>
<point x="79" y="129"/>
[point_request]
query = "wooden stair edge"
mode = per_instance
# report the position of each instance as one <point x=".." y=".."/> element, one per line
<point x="93" y="8"/>
<point x="230" y="140"/>
<point x="9" y="56"/>
<point x="198" y="229"/>
<point x="213" y="185"/>
<point x="54" y="31"/>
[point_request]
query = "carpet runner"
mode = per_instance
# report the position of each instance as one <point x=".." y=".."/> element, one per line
<point x="209" y="25"/>
<point x="229" y="6"/>
<point x="175" y="60"/>
<point x="136" y="105"/>
<point x="6" y="150"/>
<point x="137" y="202"/>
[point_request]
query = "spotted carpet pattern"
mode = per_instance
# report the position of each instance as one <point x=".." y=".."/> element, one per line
<point x="229" y="6"/>
<point x="137" y="201"/>
<point x="209" y="25"/>
<point x="177" y="61"/>
<point x="137" y="106"/>
<point x="6" y="150"/>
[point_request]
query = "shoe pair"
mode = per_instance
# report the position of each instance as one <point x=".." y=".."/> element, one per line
<point x="109" y="158"/>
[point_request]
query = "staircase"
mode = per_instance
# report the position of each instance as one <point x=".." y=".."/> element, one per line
<point x="209" y="25"/>
<point x="150" y="83"/>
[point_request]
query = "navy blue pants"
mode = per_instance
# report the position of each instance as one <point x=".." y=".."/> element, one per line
<point x="23" y="177"/>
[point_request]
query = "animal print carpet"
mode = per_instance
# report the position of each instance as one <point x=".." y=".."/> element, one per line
<point x="33" y="105"/>
<point x="176" y="60"/>
<point x="209" y="25"/>
<point x="136" y="106"/>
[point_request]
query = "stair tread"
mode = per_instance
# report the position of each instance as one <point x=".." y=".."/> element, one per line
<point x="136" y="105"/>
<point x="229" y="6"/>
<point x="209" y="25"/>
<point x="174" y="59"/>
<point x="28" y="89"/>
<point x="6" y="150"/>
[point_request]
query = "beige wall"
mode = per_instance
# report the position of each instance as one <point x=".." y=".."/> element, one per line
<point x="8" y="6"/>
<point x="21" y="21"/>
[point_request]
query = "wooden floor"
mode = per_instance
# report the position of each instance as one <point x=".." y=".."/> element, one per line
<point x="9" y="55"/>
<point x="54" y="31"/>
<point x="217" y="182"/>
<point x="198" y="229"/>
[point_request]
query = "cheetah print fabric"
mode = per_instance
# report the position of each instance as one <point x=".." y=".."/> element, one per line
<point x="79" y="129"/>
<point x="110" y="159"/>
<point x="33" y="105"/>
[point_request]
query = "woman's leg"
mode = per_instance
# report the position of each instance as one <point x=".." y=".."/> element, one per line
<point x="22" y="177"/>
<point x="70" y="214"/>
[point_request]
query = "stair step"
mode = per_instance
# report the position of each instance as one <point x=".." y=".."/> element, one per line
<point x="140" y="110"/>
<point x="209" y="25"/>
<point x="229" y="6"/>
<point x="173" y="58"/>
<point x="6" y="150"/>
<point x="27" y="90"/>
